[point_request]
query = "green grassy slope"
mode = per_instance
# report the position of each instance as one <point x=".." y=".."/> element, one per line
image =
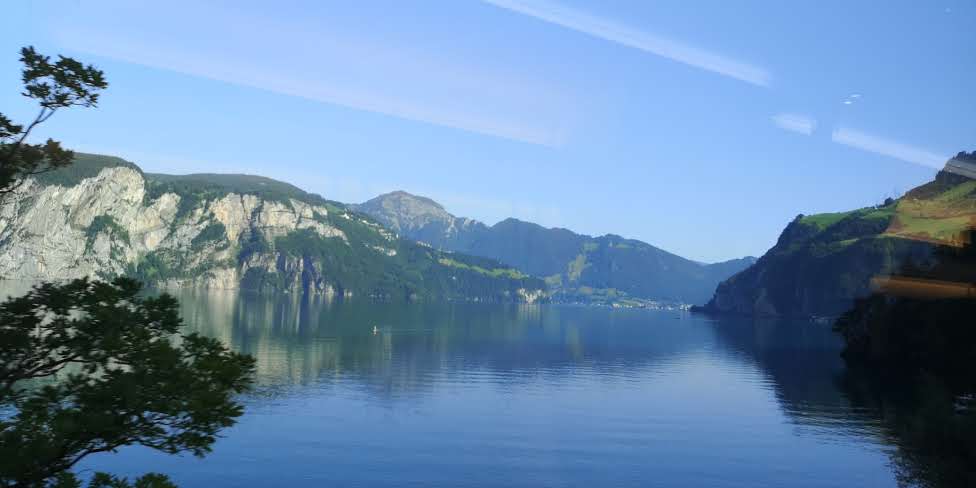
<point x="821" y="263"/>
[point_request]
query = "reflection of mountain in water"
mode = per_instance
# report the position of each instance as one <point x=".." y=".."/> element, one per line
<point x="927" y="430"/>
<point x="802" y="360"/>
<point x="298" y="340"/>
<point x="390" y="393"/>
<point x="303" y="340"/>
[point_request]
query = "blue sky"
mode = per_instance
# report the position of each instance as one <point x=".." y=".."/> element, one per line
<point x="700" y="127"/>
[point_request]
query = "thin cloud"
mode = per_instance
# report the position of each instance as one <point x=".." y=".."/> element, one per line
<point x="852" y="98"/>
<point x="795" y="123"/>
<point x="886" y="147"/>
<point x="343" y="67"/>
<point x="620" y="34"/>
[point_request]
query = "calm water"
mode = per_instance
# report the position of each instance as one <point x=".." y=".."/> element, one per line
<point x="480" y="395"/>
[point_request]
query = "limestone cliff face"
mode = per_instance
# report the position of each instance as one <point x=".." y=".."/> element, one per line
<point x="103" y="217"/>
<point x="106" y="225"/>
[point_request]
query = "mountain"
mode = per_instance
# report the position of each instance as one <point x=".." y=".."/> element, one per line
<point x="422" y="219"/>
<point x="103" y="216"/>
<point x="605" y="269"/>
<point x="822" y="263"/>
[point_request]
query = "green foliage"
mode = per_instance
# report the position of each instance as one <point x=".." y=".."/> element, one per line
<point x="105" y="480"/>
<point x="347" y="268"/>
<point x="824" y="220"/>
<point x="358" y="228"/>
<point x="494" y="272"/>
<point x="104" y="223"/>
<point x="568" y="260"/>
<point x="819" y="265"/>
<point x="576" y="266"/>
<point x="254" y="243"/>
<point x="215" y="231"/>
<point x="307" y="242"/>
<point x="55" y="85"/>
<point x="164" y="264"/>
<point x="82" y="166"/>
<point x="151" y="268"/>
<point x="195" y="188"/>
<point x="413" y="272"/>
<point x="822" y="263"/>
<point x="369" y="261"/>
<point x="89" y="367"/>
<point x="259" y="279"/>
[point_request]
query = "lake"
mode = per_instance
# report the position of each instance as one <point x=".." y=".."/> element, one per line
<point x="524" y="395"/>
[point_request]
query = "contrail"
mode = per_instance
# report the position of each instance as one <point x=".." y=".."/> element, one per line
<point x="626" y="36"/>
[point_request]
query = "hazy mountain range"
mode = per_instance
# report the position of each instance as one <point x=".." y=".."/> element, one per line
<point x="104" y="216"/>
<point x="576" y="267"/>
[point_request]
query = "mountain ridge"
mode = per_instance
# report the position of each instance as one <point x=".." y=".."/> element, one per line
<point x="579" y="267"/>
<point x="822" y="263"/>
<point x="103" y="216"/>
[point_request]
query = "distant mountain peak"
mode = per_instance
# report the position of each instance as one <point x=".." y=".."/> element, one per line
<point x="403" y="211"/>
<point x="580" y="268"/>
<point x="227" y="231"/>
<point x="407" y="196"/>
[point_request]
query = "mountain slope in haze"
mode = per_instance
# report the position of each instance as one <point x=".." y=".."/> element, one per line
<point x="605" y="269"/>
<point x="103" y="216"/>
<point x="822" y="263"/>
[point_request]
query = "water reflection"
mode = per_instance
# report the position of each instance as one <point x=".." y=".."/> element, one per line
<point x="801" y="358"/>
<point x="382" y="394"/>
<point x="303" y="340"/>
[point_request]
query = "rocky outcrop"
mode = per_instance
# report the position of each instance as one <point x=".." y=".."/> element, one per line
<point x="103" y="217"/>
<point x="106" y="225"/>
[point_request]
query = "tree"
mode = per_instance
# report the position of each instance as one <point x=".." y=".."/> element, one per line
<point x="91" y="366"/>
<point x="62" y="84"/>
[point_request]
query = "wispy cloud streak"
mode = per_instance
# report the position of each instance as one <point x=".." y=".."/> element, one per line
<point x="630" y="37"/>
<point x="800" y="124"/>
<point x="307" y="58"/>
<point x="886" y="147"/>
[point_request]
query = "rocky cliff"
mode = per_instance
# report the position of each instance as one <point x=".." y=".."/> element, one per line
<point x="104" y="217"/>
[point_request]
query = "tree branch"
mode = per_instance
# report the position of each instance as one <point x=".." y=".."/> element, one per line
<point x="43" y="115"/>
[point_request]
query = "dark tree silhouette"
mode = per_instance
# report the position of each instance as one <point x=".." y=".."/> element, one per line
<point x="90" y="366"/>
<point x="62" y="84"/>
